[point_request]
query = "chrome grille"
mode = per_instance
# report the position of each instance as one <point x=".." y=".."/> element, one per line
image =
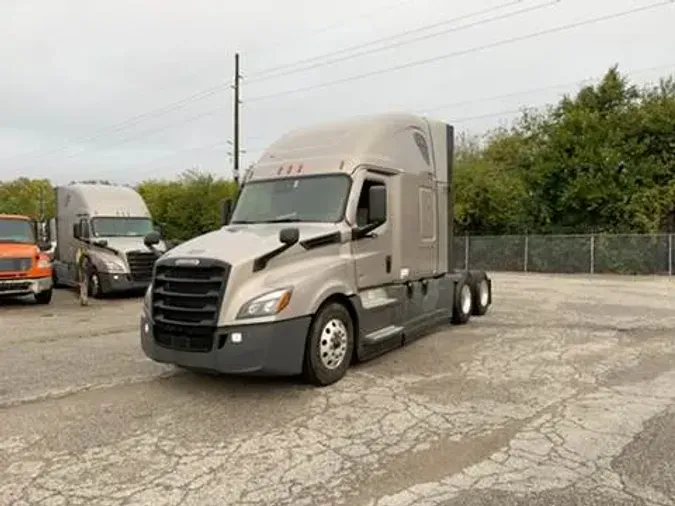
<point x="186" y="302"/>
<point x="141" y="264"/>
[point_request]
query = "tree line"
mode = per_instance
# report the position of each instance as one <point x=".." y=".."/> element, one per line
<point x="599" y="160"/>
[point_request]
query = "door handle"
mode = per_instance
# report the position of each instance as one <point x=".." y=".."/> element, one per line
<point x="388" y="263"/>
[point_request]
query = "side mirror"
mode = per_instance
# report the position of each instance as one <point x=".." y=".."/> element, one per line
<point x="377" y="209"/>
<point x="289" y="236"/>
<point x="152" y="239"/>
<point x="225" y="212"/>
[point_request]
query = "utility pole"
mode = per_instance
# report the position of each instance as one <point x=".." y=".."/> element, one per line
<point x="235" y="139"/>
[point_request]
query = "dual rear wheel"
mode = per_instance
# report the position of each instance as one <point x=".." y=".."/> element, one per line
<point x="472" y="297"/>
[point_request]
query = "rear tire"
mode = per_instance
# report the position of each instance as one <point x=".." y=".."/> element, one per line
<point x="463" y="303"/>
<point x="330" y="345"/>
<point x="481" y="293"/>
<point x="44" y="298"/>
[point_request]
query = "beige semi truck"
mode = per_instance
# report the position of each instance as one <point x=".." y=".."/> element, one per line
<point x="338" y="249"/>
<point x="113" y="227"/>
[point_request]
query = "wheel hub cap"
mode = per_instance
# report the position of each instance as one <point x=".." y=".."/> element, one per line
<point x="333" y="344"/>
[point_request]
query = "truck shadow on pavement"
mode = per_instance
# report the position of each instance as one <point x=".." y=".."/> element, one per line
<point x="191" y="382"/>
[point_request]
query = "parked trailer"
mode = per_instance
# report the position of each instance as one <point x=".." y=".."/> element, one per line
<point x="114" y="228"/>
<point x="339" y="248"/>
<point x="25" y="267"/>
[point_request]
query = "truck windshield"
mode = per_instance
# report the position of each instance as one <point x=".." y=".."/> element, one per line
<point x="307" y="199"/>
<point x="16" y="231"/>
<point x="121" y="227"/>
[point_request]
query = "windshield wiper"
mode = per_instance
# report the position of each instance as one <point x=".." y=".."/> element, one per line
<point x="282" y="220"/>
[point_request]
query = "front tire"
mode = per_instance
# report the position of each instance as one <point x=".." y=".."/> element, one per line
<point x="330" y="345"/>
<point x="44" y="298"/>
<point x="94" y="284"/>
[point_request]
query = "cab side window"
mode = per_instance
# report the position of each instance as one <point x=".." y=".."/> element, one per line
<point x="364" y="201"/>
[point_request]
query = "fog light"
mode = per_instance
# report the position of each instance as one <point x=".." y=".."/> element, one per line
<point x="236" y="337"/>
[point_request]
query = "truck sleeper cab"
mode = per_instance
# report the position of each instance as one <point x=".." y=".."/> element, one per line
<point x="25" y="268"/>
<point x="338" y="248"/>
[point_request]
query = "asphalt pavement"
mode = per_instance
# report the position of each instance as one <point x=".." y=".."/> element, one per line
<point x="563" y="394"/>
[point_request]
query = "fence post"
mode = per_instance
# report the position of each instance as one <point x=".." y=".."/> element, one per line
<point x="526" y="252"/>
<point x="466" y="252"/>
<point x="592" y="253"/>
<point x="670" y="254"/>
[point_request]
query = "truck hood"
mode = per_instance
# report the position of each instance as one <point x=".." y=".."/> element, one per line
<point x="237" y="244"/>
<point x="14" y="250"/>
<point x="127" y="244"/>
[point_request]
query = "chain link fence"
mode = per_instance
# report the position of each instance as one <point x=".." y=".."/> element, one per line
<point x="600" y="254"/>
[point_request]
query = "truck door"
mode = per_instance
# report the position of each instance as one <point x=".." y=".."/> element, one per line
<point x="373" y="254"/>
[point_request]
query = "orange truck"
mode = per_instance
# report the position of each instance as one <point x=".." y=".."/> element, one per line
<point x="25" y="267"/>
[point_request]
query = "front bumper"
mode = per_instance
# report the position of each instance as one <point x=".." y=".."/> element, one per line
<point x="268" y="349"/>
<point x="113" y="282"/>
<point x="17" y="287"/>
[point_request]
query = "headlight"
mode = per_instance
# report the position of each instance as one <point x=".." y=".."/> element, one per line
<point x="114" y="266"/>
<point x="266" y="305"/>
<point x="44" y="263"/>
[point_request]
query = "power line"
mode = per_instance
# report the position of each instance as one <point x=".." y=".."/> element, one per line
<point x="272" y="72"/>
<point x="326" y="28"/>
<point x="127" y="123"/>
<point x="214" y="90"/>
<point x="454" y="120"/>
<point x="160" y="111"/>
<point x="211" y="146"/>
<point x="152" y="131"/>
<point x="536" y="90"/>
<point x="426" y="110"/>
<point x="425" y="61"/>
<point x="205" y="93"/>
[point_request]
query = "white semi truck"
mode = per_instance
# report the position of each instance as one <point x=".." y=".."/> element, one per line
<point x="339" y="248"/>
<point x="113" y="227"/>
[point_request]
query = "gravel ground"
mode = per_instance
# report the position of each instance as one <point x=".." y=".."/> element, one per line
<point x="563" y="394"/>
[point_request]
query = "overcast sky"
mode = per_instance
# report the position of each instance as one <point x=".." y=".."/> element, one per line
<point x="131" y="89"/>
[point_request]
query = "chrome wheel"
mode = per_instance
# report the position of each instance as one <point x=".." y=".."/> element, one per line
<point x="333" y="344"/>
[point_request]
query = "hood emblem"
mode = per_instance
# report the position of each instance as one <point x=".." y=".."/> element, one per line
<point x="187" y="261"/>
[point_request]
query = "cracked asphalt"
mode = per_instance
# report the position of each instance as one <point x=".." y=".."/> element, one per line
<point x="563" y="394"/>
